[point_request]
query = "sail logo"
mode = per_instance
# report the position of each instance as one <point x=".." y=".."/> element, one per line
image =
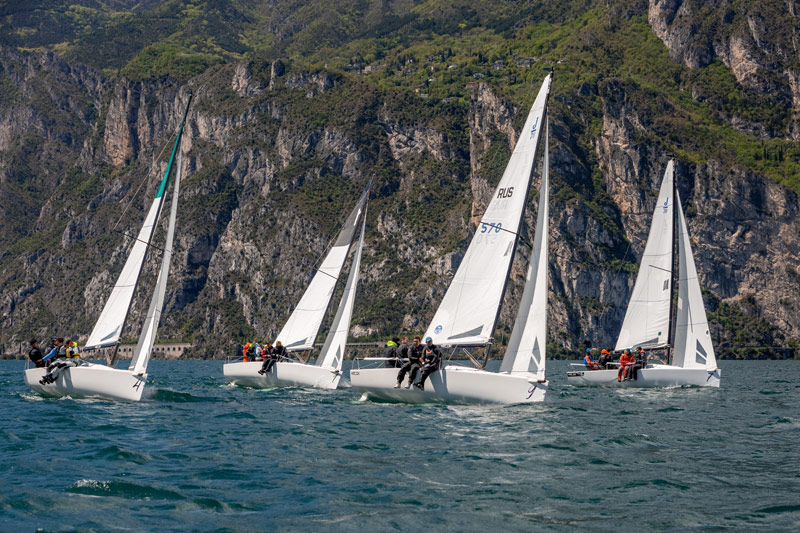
<point x="666" y="206"/>
<point x="438" y="329"/>
<point x="535" y="127"/>
<point x="505" y="192"/>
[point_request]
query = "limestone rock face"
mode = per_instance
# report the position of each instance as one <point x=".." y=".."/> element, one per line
<point x="275" y="159"/>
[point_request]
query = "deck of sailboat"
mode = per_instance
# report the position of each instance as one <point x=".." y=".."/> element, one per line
<point x="90" y="381"/>
<point x="652" y="376"/>
<point x="453" y="384"/>
<point x="283" y="374"/>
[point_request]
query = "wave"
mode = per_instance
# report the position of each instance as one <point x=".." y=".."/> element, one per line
<point x="123" y="489"/>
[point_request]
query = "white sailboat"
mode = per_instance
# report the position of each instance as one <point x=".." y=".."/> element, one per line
<point x="299" y="332"/>
<point x="649" y="318"/>
<point x="468" y="313"/>
<point x="97" y="380"/>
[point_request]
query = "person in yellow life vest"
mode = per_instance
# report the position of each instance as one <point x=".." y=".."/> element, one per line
<point x="73" y="352"/>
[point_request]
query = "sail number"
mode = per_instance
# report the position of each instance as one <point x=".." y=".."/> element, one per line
<point x="487" y="228"/>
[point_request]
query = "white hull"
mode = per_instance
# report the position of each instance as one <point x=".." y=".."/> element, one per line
<point x="283" y="374"/>
<point x="90" y="380"/>
<point x="452" y="384"/>
<point x="653" y="376"/>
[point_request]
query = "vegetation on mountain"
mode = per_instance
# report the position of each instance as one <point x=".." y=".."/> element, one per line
<point x="414" y="61"/>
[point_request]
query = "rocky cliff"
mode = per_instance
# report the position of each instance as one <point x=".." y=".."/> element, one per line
<point x="276" y="154"/>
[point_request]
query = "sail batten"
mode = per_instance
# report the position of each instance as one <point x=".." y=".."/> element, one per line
<point x="332" y="351"/>
<point x="468" y="312"/>
<point x="647" y="320"/>
<point x="300" y="330"/>
<point x="144" y="346"/>
<point x="526" y="350"/>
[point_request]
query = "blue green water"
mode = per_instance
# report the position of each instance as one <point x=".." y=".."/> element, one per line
<point x="199" y="455"/>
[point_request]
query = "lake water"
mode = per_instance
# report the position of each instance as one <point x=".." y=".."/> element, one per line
<point x="200" y="455"/>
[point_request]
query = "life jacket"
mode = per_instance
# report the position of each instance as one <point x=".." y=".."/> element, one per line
<point x="73" y="352"/>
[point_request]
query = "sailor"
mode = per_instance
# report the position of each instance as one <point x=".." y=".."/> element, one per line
<point x="54" y="359"/>
<point x="257" y="349"/>
<point x="588" y="362"/>
<point x="605" y="358"/>
<point x="432" y="361"/>
<point x="391" y="353"/>
<point x="413" y="364"/>
<point x="35" y="354"/>
<point x="402" y="352"/>
<point x="269" y="356"/>
<point x="639" y="362"/>
<point x="245" y="352"/>
<point x="625" y="360"/>
<point x="279" y="351"/>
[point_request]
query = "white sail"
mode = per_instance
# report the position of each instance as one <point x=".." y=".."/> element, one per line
<point x="144" y="347"/>
<point x="468" y="312"/>
<point x="526" y="348"/>
<point x="646" y="321"/>
<point x="301" y="329"/>
<point x="108" y="327"/>
<point x="693" y="347"/>
<point x="332" y="354"/>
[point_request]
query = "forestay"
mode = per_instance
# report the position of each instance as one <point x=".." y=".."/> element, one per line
<point x="108" y="327"/>
<point x="332" y="354"/>
<point x="693" y="347"/>
<point x="469" y="309"/>
<point x="525" y="352"/>
<point x="301" y="329"/>
<point x="646" y="321"/>
<point x="144" y="347"/>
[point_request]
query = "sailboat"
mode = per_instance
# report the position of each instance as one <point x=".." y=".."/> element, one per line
<point x="468" y="313"/>
<point x="300" y="331"/>
<point x="649" y="318"/>
<point x="105" y="381"/>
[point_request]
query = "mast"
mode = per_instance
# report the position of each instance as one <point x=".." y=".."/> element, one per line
<point x="672" y="278"/>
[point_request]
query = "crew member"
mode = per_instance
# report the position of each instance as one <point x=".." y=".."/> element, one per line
<point x="269" y="356"/>
<point x="36" y="355"/>
<point x="391" y="354"/>
<point x="605" y="359"/>
<point x="54" y="361"/>
<point x="625" y="360"/>
<point x="639" y="362"/>
<point x="432" y="361"/>
<point x="588" y="361"/>
<point x="412" y="366"/>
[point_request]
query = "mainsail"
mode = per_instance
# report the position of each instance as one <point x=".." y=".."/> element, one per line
<point x="145" y="345"/>
<point x="693" y="347"/>
<point x="646" y="321"/>
<point x="332" y="354"/>
<point x="301" y="329"/>
<point x="525" y="352"/>
<point x="468" y="312"/>
<point x="108" y="327"/>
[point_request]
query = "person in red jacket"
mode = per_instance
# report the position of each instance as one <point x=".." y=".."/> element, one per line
<point x="625" y="360"/>
<point x="588" y="361"/>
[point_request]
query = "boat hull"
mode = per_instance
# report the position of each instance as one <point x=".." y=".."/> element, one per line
<point x="452" y="385"/>
<point x="90" y="381"/>
<point x="654" y="376"/>
<point x="283" y="374"/>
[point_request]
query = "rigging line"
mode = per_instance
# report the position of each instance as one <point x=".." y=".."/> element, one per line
<point x="141" y="184"/>
<point x="623" y="258"/>
<point x="162" y="250"/>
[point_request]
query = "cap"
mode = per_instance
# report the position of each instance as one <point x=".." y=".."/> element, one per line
<point x="605" y="351"/>
<point x="428" y="339"/>
<point x="588" y="350"/>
